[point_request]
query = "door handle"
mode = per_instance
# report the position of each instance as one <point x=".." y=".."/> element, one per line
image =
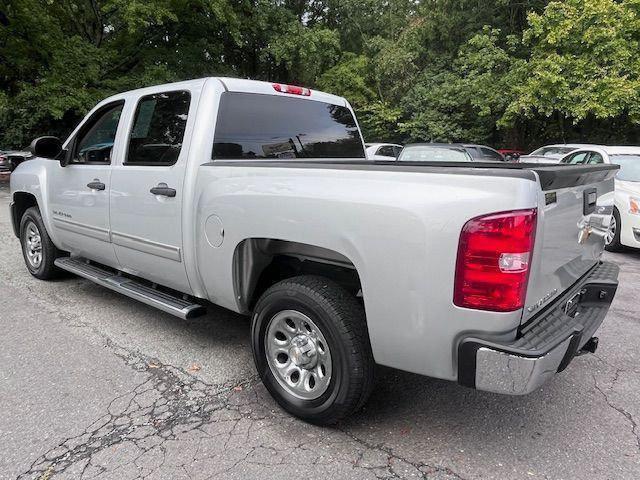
<point x="96" y="185"/>
<point x="164" y="190"/>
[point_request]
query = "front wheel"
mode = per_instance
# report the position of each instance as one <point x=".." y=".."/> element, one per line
<point x="38" y="250"/>
<point x="311" y="348"/>
<point x="612" y="239"/>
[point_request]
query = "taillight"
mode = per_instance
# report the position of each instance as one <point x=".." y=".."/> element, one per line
<point x="494" y="256"/>
<point x="292" y="89"/>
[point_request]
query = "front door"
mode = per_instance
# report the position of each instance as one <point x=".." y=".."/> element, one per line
<point x="79" y="192"/>
<point x="146" y="194"/>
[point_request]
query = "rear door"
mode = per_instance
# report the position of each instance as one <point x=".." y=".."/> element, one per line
<point x="147" y="190"/>
<point x="575" y="208"/>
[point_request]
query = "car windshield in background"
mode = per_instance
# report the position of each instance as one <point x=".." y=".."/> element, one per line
<point x="551" y="151"/>
<point x="255" y="126"/>
<point x="629" y="167"/>
<point x="426" y="153"/>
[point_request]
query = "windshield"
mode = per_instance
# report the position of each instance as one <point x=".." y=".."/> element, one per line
<point x="629" y="167"/>
<point x="552" y="151"/>
<point x="427" y="153"/>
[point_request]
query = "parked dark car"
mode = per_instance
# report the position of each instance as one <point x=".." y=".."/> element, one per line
<point x="9" y="160"/>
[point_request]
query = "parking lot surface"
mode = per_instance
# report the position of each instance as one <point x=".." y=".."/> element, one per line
<point x="95" y="385"/>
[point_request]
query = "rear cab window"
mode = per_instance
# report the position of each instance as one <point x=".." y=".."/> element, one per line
<point x="257" y="126"/>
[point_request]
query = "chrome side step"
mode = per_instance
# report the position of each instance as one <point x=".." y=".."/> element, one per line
<point x="131" y="288"/>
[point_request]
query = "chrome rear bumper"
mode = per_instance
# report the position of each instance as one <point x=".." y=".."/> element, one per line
<point x="546" y="344"/>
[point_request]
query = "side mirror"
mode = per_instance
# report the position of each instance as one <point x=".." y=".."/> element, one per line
<point x="46" y="147"/>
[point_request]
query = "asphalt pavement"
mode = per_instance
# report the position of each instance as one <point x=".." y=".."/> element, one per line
<point x="95" y="385"/>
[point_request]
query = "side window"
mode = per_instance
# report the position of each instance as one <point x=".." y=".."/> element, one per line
<point x="94" y="142"/>
<point x="576" y="158"/>
<point x="386" y="151"/>
<point x="396" y="151"/>
<point x="487" y="152"/>
<point x="158" y="129"/>
<point x="474" y="152"/>
<point x="595" y="158"/>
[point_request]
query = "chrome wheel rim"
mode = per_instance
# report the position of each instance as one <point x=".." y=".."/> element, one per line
<point x="611" y="233"/>
<point x="33" y="244"/>
<point x="298" y="354"/>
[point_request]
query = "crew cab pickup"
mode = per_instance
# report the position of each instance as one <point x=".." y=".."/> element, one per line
<point x="258" y="197"/>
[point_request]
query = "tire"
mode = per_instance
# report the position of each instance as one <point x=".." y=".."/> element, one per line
<point x="330" y="323"/>
<point x="614" y="245"/>
<point x="32" y="230"/>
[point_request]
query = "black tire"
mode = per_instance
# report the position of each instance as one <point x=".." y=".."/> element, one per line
<point x="341" y="320"/>
<point x="45" y="269"/>
<point x="615" y="245"/>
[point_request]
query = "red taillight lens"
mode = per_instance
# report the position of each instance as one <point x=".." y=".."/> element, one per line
<point x="292" y="89"/>
<point x="494" y="256"/>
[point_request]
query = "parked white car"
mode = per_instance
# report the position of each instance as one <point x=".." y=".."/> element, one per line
<point x="625" y="222"/>
<point x="383" y="151"/>
<point x="553" y="153"/>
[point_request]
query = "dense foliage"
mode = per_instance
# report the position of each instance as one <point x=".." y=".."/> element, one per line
<point x="514" y="73"/>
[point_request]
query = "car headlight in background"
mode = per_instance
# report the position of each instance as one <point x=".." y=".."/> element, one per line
<point x="634" y="205"/>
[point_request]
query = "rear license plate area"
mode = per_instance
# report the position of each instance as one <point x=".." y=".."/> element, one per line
<point x="571" y="307"/>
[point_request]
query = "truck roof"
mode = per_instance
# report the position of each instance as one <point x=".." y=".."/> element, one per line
<point x="231" y="85"/>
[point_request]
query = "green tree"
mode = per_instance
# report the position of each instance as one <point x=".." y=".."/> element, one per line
<point x="583" y="65"/>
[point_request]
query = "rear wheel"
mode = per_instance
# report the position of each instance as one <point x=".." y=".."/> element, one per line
<point x="311" y="348"/>
<point x="38" y="250"/>
<point x="612" y="239"/>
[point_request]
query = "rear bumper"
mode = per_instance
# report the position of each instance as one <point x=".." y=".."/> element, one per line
<point x="546" y="344"/>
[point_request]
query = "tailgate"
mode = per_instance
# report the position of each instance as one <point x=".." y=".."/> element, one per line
<point x="574" y="211"/>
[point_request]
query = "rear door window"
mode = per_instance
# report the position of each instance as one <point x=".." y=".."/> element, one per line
<point x="595" y="158"/>
<point x="158" y="129"/>
<point x="386" y="151"/>
<point x="256" y="126"/>
<point x="576" y="158"/>
<point x="491" y="154"/>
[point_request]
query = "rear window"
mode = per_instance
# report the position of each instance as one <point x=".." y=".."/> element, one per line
<point x="254" y="126"/>
<point x="552" y="151"/>
<point x="424" y="153"/>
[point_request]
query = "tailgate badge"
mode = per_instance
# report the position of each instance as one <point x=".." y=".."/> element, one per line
<point x="542" y="301"/>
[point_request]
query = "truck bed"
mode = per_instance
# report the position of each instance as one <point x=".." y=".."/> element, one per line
<point x="551" y="176"/>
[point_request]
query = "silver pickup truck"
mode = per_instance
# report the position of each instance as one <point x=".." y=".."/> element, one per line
<point x="258" y="197"/>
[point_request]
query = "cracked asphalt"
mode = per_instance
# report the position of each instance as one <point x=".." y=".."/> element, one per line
<point x="94" y="385"/>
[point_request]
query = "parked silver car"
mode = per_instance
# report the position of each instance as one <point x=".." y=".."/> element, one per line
<point x="552" y="153"/>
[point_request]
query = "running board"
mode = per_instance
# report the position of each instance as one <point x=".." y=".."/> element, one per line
<point x="131" y="288"/>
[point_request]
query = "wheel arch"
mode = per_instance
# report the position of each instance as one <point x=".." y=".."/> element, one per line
<point x="21" y="202"/>
<point x="259" y="263"/>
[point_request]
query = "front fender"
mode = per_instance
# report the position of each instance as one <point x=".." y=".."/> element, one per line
<point x="31" y="178"/>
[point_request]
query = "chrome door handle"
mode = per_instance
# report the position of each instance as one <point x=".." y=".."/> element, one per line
<point x="164" y="190"/>
<point x="96" y="185"/>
